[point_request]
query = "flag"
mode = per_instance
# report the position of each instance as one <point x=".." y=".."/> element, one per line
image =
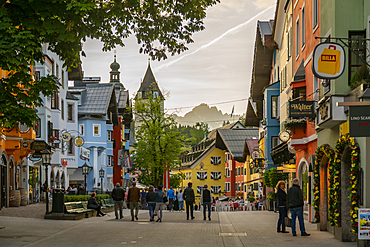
<point x="232" y="112"/>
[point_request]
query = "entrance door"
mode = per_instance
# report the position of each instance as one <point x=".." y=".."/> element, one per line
<point x="3" y="171"/>
<point x="324" y="194"/>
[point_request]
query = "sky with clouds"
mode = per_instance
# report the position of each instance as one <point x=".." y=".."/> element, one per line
<point x="216" y="68"/>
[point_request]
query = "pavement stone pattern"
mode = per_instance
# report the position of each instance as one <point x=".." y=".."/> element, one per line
<point x="250" y="228"/>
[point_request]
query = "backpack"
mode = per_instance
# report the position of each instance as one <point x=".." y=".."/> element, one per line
<point x="165" y="199"/>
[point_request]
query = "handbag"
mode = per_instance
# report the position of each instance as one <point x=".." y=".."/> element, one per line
<point x="288" y="221"/>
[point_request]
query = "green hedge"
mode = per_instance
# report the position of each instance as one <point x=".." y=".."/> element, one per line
<point x="80" y="198"/>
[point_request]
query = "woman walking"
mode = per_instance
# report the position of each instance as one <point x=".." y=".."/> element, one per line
<point x="150" y="198"/>
<point x="159" y="203"/>
<point x="281" y="198"/>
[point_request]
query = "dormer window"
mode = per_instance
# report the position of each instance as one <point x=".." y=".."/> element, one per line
<point x="139" y="95"/>
<point x="155" y="94"/>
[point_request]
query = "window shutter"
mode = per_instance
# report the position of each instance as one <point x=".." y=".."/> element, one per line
<point x="198" y="175"/>
<point x="198" y="189"/>
<point x="212" y="175"/>
<point x="218" y="175"/>
<point x="212" y="189"/>
<point x="205" y="175"/>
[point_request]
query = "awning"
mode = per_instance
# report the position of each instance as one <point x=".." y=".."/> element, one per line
<point x="77" y="176"/>
<point x="281" y="154"/>
<point x="252" y="180"/>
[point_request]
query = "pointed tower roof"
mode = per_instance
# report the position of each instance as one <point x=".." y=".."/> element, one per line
<point x="149" y="84"/>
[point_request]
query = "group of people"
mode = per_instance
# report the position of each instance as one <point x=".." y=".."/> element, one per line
<point x="292" y="201"/>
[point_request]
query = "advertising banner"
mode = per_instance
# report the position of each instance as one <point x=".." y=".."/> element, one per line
<point x="328" y="60"/>
<point x="298" y="109"/>
<point x="364" y="223"/>
<point x="85" y="153"/>
<point x="359" y="121"/>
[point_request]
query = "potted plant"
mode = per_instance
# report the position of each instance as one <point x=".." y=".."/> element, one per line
<point x="251" y="199"/>
<point x="271" y="199"/>
<point x="294" y="123"/>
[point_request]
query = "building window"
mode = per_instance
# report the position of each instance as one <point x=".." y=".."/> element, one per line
<point x="81" y="129"/>
<point x="110" y="135"/>
<point x="62" y="108"/>
<point x="236" y="172"/>
<point x="236" y="186"/>
<point x="215" y="175"/>
<point x="289" y="43"/>
<point x="110" y="161"/>
<point x="139" y="95"/>
<point x="37" y="128"/>
<point x="62" y="79"/>
<point x="227" y="172"/>
<point x="216" y="189"/>
<point x="245" y="171"/>
<point x="70" y="146"/>
<point x="274" y="141"/>
<point x="359" y="46"/>
<point x="189" y="175"/>
<point x="299" y="93"/>
<point x="241" y="171"/>
<point x="96" y="128"/>
<point x="297" y="39"/>
<point x="274" y="106"/>
<point x="55" y="139"/>
<point x="70" y="112"/>
<point x="155" y="94"/>
<point x="54" y="100"/>
<point x="227" y="187"/>
<point x="303" y="27"/>
<point x="215" y="160"/>
<point x="202" y="175"/>
<point x="315" y="15"/>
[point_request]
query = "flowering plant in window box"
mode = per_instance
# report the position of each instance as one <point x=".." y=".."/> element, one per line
<point x="293" y="123"/>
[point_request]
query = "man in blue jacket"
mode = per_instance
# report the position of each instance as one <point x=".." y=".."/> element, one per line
<point x="171" y="198"/>
<point x="295" y="203"/>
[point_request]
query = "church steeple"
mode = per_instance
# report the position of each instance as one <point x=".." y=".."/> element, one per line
<point x="114" y="73"/>
<point x="149" y="85"/>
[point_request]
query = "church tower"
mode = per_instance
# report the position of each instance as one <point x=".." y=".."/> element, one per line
<point x="114" y="73"/>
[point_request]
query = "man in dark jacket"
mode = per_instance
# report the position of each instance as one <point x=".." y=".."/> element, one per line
<point x="189" y="199"/>
<point x="118" y="195"/>
<point x="206" y="200"/>
<point x="134" y="197"/>
<point x="295" y="203"/>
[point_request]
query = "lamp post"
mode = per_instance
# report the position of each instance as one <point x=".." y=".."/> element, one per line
<point x="101" y="175"/>
<point x="46" y="159"/>
<point x="197" y="126"/>
<point x="85" y="171"/>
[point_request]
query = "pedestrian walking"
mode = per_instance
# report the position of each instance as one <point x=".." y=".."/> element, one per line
<point x="206" y="200"/>
<point x="171" y="198"/>
<point x="150" y="197"/>
<point x="93" y="204"/>
<point x="143" y="199"/>
<point x="159" y="202"/>
<point x="295" y="204"/>
<point x="282" y="205"/>
<point x="118" y="195"/>
<point x="134" y="197"/>
<point x="180" y="198"/>
<point x="189" y="199"/>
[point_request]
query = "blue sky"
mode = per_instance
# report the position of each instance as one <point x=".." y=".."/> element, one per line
<point x="216" y="68"/>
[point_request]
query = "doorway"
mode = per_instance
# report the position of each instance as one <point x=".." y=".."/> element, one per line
<point x="324" y="193"/>
<point x="3" y="181"/>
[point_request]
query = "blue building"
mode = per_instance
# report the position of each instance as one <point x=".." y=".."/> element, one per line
<point x="97" y="115"/>
<point x="271" y="125"/>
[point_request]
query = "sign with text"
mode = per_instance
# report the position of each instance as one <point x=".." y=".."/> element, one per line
<point x="39" y="146"/>
<point x="299" y="109"/>
<point x="364" y="223"/>
<point x="328" y="60"/>
<point x="85" y="153"/>
<point x="359" y="121"/>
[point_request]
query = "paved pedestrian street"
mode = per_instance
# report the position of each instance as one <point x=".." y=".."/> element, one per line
<point x="256" y="228"/>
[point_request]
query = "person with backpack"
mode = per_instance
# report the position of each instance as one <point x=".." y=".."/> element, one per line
<point x="189" y="199"/>
<point x="206" y="200"/>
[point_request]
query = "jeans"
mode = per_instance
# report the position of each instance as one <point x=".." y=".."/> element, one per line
<point x="282" y="215"/>
<point x="205" y="206"/>
<point x="181" y="205"/>
<point x="151" y="209"/>
<point x="189" y="206"/>
<point x="159" y="205"/>
<point x="170" y="202"/>
<point x="298" y="211"/>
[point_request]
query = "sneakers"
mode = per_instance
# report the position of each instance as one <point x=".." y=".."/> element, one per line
<point x="136" y="218"/>
<point x="285" y="231"/>
<point x="209" y="218"/>
<point x="121" y="217"/>
<point x="192" y="218"/>
<point x="305" y="234"/>
<point x="294" y="235"/>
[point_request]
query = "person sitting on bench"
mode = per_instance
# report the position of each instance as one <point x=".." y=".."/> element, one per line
<point x="93" y="204"/>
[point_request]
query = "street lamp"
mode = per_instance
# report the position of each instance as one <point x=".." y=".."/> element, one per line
<point x="197" y="126"/>
<point x="101" y="175"/>
<point x="85" y="171"/>
<point x="46" y="159"/>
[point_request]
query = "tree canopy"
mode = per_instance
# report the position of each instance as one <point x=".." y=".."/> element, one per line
<point x="158" y="141"/>
<point x="161" y="27"/>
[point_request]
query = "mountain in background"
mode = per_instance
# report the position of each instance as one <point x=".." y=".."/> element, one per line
<point x="206" y="114"/>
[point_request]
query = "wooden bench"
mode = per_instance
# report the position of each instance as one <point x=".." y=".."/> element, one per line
<point x="107" y="205"/>
<point x="79" y="208"/>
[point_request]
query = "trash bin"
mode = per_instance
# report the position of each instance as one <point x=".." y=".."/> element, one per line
<point x="58" y="201"/>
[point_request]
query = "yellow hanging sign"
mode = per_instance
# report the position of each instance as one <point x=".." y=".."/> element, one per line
<point x="328" y="60"/>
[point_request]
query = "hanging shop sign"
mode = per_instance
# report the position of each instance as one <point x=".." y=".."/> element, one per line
<point x="364" y="223"/>
<point x="298" y="109"/>
<point x="328" y="60"/>
<point x="255" y="155"/>
<point x="79" y="141"/>
<point x="39" y="146"/>
<point x="85" y="153"/>
<point x="66" y="137"/>
<point x="359" y="121"/>
<point x="23" y="128"/>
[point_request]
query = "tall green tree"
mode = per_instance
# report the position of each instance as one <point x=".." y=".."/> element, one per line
<point x="161" y="27"/>
<point x="158" y="141"/>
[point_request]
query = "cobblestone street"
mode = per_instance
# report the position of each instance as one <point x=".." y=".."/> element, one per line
<point x="256" y="228"/>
